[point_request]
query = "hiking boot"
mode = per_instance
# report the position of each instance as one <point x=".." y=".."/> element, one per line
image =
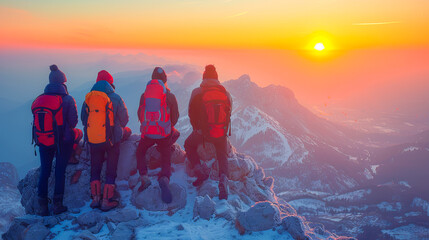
<point x="202" y="174"/>
<point x="145" y="183"/>
<point x="108" y="203"/>
<point x="164" y="184"/>
<point x="58" y="205"/>
<point x="95" y="194"/>
<point x="43" y="204"/>
<point x="223" y="187"/>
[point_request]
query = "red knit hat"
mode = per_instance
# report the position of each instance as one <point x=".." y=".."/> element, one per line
<point x="210" y="72"/>
<point x="105" y="75"/>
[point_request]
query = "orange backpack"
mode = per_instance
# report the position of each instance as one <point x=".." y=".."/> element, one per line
<point x="99" y="125"/>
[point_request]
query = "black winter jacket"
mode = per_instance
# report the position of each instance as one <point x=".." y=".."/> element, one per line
<point x="194" y="109"/>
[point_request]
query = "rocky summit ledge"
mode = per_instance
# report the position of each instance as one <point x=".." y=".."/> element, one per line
<point x="252" y="210"/>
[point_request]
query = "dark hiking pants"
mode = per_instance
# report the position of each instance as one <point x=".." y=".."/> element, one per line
<point x="98" y="152"/>
<point x="47" y="155"/>
<point x="191" y="146"/>
<point x="164" y="146"/>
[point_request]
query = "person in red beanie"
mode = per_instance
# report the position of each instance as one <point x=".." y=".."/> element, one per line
<point x="104" y="117"/>
<point x="209" y="112"/>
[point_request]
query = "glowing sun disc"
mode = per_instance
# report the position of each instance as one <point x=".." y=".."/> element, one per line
<point x="319" y="46"/>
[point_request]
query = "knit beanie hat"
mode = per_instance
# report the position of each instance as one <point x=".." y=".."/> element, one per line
<point x="105" y="75"/>
<point x="210" y="72"/>
<point x="158" y="73"/>
<point x="56" y="76"/>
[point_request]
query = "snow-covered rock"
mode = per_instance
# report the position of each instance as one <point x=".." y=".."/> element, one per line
<point x="295" y="226"/>
<point x="261" y="216"/>
<point x="150" y="198"/>
<point x="418" y="202"/>
<point x="10" y="206"/>
<point x="204" y="207"/>
<point x="27" y="228"/>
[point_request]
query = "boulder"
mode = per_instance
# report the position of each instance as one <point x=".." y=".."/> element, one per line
<point x="258" y="193"/>
<point x="8" y="174"/>
<point x="153" y="157"/>
<point x="294" y="225"/>
<point x="97" y="228"/>
<point x="127" y="159"/>
<point x="150" y="198"/>
<point x="121" y="215"/>
<point x="208" y="151"/>
<point x="36" y="231"/>
<point x="239" y="165"/>
<point x="90" y="219"/>
<point x="75" y="195"/>
<point x="204" y="207"/>
<point x="10" y="206"/>
<point x="260" y="217"/>
<point x="86" y="235"/>
<point x="209" y="188"/>
<point x="225" y="210"/>
<point x="122" y="232"/>
<point x="27" y="227"/>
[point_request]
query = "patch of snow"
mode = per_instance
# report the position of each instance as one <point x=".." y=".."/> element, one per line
<point x="351" y="196"/>
<point x="409" y="124"/>
<point x="410" y="149"/>
<point x="308" y="204"/>
<point x="251" y="121"/>
<point x="389" y="207"/>
<point x="384" y="129"/>
<point x="418" y="202"/>
<point x="374" y="168"/>
<point x="405" y="184"/>
<point x="413" y="214"/>
<point x="408" y="232"/>
<point x="368" y="174"/>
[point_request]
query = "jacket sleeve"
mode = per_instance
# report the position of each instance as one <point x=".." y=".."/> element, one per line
<point x="229" y="98"/>
<point x="193" y="108"/>
<point x="83" y="114"/>
<point x="140" y="103"/>
<point x="122" y="113"/>
<point x="71" y="112"/>
<point x="174" y="109"/>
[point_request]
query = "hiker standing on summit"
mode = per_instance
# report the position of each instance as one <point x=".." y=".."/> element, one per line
<point x="158" y="113"/>
<point x="210" y="115"/>
<point x="54" y="121"/>
<point x="104" y="117"/>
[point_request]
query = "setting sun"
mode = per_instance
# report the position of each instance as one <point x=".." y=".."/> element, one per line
<point x="319" y="47"/>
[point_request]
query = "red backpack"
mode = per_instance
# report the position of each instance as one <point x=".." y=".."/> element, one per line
<point x="154" y="114"/>
<point x="216" y="111"/>
<point x="47" y="116"/>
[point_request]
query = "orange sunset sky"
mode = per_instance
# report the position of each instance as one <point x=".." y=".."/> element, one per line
<point x="367" y="43"/>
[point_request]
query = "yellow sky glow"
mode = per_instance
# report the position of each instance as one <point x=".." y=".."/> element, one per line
<point x="236" y="24"/>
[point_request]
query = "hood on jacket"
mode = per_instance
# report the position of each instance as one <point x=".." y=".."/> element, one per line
<point x="56" y="88"/>
<point x="103" y="86"/>
<point x="209" y="82"/>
